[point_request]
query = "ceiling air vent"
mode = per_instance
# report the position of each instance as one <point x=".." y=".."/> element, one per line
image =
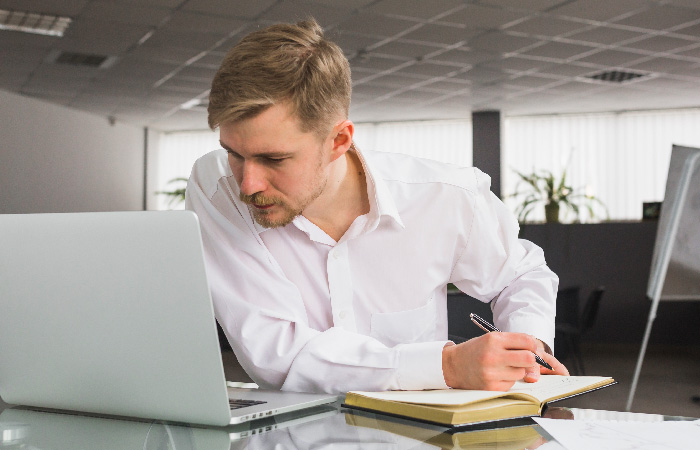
<point x="81" y="59"/>
<point x="616" y="76"/>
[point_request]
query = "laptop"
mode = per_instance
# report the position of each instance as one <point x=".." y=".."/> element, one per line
<point x="110" y="313"/>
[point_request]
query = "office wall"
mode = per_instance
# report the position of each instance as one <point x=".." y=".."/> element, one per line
<point x="56" y="159"/>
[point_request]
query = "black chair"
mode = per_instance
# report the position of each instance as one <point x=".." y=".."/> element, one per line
<point x="571" y="325"/>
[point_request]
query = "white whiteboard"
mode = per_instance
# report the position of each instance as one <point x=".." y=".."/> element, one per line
<point x="675" y="267"/>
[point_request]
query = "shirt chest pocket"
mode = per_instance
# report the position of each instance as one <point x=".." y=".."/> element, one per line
<point x="404" y="327"/>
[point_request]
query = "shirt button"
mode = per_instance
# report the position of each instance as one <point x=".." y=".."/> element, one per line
<point x="336" y="254"/>
<point x="343" y="314"/>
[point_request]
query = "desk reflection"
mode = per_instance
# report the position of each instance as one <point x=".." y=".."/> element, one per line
<point x="327" y="428"/>
<point x="36" y="430"/>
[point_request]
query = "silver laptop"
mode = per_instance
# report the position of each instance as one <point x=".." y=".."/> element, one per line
<point x="110" y="313"/>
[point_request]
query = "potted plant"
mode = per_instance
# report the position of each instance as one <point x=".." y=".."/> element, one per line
<point x="177" y="195"/>
<point x="542" y="187"/>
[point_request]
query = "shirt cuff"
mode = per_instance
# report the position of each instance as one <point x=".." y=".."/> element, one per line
<point x="420" y="366"/>
<point x="538" y="327"/>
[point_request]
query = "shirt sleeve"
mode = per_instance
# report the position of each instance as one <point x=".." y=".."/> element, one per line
<point x="264" y="318"/>
<point x="495" y="266"/>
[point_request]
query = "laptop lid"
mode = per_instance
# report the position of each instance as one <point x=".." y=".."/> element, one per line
<point x="109" y="313"/>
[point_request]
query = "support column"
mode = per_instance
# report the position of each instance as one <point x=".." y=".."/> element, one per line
<point x="486" y="139"/>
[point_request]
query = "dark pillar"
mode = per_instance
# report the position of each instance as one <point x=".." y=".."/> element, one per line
<point x="486" y="138"/>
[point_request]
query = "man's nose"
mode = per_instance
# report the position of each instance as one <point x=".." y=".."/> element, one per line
<point x="252" y="179"/>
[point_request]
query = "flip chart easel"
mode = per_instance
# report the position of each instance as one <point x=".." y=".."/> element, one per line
<point x="675" y="267"/>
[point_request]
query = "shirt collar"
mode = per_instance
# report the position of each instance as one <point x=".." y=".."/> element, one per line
<point x="381" y="201"/>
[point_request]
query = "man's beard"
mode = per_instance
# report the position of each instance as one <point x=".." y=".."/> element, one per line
<point x="289" y="212"/>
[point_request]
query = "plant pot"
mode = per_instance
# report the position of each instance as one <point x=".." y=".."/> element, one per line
<point x="551" y="213"/>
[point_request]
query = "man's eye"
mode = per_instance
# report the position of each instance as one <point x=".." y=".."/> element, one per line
<point x="274" y="160"/>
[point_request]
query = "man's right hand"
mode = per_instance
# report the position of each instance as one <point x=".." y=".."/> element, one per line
<point x="492" y="362"/>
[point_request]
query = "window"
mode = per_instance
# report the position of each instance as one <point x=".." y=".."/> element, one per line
<point x="621" y="158"/>
<point x="448" y="141"/>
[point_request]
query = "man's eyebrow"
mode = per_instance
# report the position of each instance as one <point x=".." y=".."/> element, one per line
<point x="268" y="154"/>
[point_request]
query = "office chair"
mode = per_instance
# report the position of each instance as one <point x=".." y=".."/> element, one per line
<point x="573" y="325"/>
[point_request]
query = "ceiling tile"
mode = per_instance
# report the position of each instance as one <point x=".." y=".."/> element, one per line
<point x="98" y="37"/>
<point x="14" y="39"/>
<point x="374" y="63"/>
<point x="660" y="44"/>
<point x="692" y="31"/>
<point x="611" y="58"/>
<point x="113" y="11"/>
<point x="601" y="10"/>
<point x="530" y="81"/>
<point x="201" y="23"/>
<point x="184" y="39"/>
<point x="529" y="5"/>
<point x="571" y="69"/>
<point x="605" y="35"/>
<point x="416" y="96"/>
<point x="70" y="8"/>
<point x="414" y="8"/>
<point x="480" y="74"/>
<point x="243" y="9"/>
<point x="295" y="11"/>
<point x="514" y="63"/>
<point x="558" y="50"/>
<point x="350" y="4"/>
<point x="197" y="73"/>
<point x="484" y="17"/>
<point x="465" y="56"/>
<point x="662" y="65"/>
<point x="398" y="80"/>
<point x="432" y="70"/>
<point x="351" y="42"/>
<point x="448" y="85"/>
<point x="211" y="60"/>
<point x="496" y="41"/>
<point x="442" y="34"/>
<point x="374" y="25"/>
<point x="404" y="49"/>
<point x="661" y="17"/>
<point x="547" y="26"/>
<point x="150" y="51"/>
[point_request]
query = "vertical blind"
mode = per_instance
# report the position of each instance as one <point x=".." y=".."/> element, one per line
<point x="448" y="141"/>
<point x="621" y="158"/>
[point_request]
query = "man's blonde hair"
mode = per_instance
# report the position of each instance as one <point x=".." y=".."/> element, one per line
<point x="291" y="63"/>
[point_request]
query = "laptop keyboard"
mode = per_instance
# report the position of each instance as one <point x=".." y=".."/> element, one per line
<point x="237" y="403"/>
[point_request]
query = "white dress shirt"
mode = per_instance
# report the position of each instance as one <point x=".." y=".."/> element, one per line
<point x="368" y="312"/>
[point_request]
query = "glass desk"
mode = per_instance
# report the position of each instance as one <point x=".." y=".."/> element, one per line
<point x="326" y="427"/>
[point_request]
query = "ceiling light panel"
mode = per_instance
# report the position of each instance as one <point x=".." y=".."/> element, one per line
<point x="29" y="22"/>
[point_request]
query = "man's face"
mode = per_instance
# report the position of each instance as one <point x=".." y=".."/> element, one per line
<point x="279" y="169"/>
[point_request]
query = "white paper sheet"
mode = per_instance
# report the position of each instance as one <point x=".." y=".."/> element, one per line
<point x="614" y="435"/>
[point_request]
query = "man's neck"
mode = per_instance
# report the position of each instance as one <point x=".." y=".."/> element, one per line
<point x="344" y="197"/>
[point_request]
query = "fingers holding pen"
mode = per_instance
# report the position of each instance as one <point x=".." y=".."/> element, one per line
<point x="493" y="361"/>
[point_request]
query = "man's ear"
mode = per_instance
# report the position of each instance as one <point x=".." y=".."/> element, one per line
<point x="342" y="138"/>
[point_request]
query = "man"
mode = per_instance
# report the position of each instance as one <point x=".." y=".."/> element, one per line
<point x="328" y="266"/>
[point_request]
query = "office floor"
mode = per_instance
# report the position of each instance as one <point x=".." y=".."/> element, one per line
<point x="670" y="377"/>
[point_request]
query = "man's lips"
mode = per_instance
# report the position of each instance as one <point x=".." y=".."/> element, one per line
<point x="263" y="207"/>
